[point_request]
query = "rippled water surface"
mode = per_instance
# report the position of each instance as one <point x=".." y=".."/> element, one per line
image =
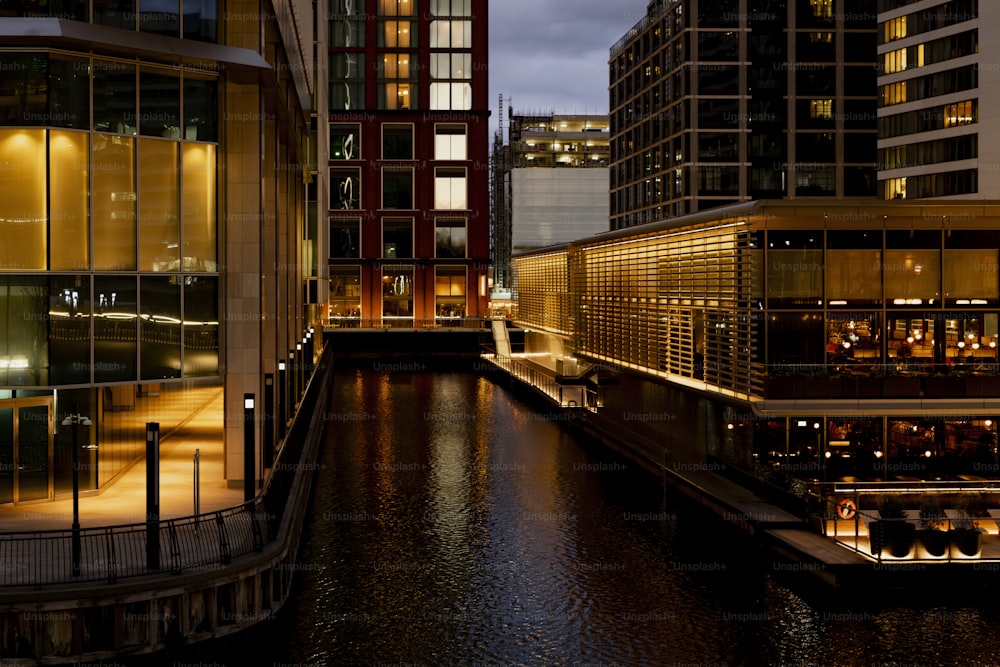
<point x="452" y="524"/>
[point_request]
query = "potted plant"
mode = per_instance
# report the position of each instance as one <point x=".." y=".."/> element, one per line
<point x="931" y="534"/>
<point x="966" y="536"/>
<point x="892" y="532"/>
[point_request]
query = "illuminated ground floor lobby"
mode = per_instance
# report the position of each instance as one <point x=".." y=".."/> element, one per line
<point x="36" y="455"/>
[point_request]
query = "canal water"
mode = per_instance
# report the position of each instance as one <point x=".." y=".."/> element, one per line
<point x="452" y="524"/>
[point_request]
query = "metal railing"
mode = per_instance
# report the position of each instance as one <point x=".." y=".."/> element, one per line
<point x="541" y="381"/>
<point x="408" y="323"/>
<point x="945" y="538"/>
<point x="188" y="545"/>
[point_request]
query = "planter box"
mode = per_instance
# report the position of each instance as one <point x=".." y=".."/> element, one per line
<point x="966" y="543"/>
<point x="982" y="386"/>
<point x="860" y="386"/>
<point x="893" y="537"/>
<point x="944" y="386"/>
<point x="901" y="386"/>
<point x="933" y="543"/>
<point x="779" y="387"/>
<point x="818" y="387"/>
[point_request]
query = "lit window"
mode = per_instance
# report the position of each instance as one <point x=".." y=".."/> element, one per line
<point x="895" y="188"/>
<point x="454" y="96"/>
<point x="450" y="188"/>
<point x="450" y="142"/>
<point x="821" y="109"/>
<point x="451" y="34"/>
<point x="895" y="29"/>
<point x="894" y="93"/>
<point x="960" y="113"/>
<point x="822" y="9"/>
<point x="397" y="34"/>
<point x="395" y="66"/>
<point x="895" y="61"/>
<point x="397" y="7"/>
<point x="451" y="7"/>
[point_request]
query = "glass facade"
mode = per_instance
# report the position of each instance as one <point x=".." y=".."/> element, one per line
<point x="109" y="265"/>
<point x="741" y="303"/>
<point x="797" y="318"/>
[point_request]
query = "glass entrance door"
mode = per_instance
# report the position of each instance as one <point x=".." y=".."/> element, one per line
<point x="25" y="449"/>
<point x="33" y="453"/>
<point x="6" y="455"/>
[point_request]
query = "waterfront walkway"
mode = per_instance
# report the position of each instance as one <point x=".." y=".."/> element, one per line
<point x="124" y="501"/>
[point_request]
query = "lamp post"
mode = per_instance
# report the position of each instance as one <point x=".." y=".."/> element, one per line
<point x="248" y="442"/>
<point x="293" y="396"/>
<point x="282" y="410"/>
<point x="299" y="375"/>
<point x="76" y="420"/>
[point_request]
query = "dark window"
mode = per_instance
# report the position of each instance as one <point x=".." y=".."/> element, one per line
<point x="345" y="238"/>
<point x="159" y="327"/>
<point x="114" y="97"/>
<point x="201" y="328"/>
<point x="115" y="13"/>
<point x="816" y="147"/>
<point x="397" y="142"/>
<point x="69" y="329"/>
<point x="200" y="20"/>
<point x="162" y="17"/>
<point x="159" y="105"/>
<point x="24" y="88"/>
<point x="397" y="239"/>
<point x="397" y="189"/>
<point x="795" y="338"/>
<point x="115" y="317"/>
<point x="718" y="46"/>
<point x="200" y="109"/>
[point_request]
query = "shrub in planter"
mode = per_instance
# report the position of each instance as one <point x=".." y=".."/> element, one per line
<point x="892" y="532"/>
<point x="966" y="537"/>
<point x="931" y="534"/>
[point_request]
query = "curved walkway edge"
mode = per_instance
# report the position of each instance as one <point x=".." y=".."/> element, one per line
<point x="98" y="620"/>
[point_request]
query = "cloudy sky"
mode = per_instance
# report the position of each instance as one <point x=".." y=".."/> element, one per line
<point x="552" y="55"/>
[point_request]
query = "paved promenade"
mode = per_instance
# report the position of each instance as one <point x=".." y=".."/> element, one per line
<point x="125" y="500"/>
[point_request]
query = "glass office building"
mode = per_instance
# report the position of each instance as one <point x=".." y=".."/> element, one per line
<point x="120" y="229"/>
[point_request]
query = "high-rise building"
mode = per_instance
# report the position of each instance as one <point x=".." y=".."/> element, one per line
<point x="152" y="225"/>
<point x="408" y="160"/>
<point x="714" y="102"/>
<point x="936" y="79"/>
<point x="551" y="183"/>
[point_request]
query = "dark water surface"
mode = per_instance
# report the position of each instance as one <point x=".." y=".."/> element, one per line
<point x="453" y="525"/>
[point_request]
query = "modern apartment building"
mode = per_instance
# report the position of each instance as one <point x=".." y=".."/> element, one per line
<point x="408" y="161"/>
<point x="714" y="102"/>
<point x="551" y="179"/>
<point x="153" y="227"/>
<point x="938" y="82"/>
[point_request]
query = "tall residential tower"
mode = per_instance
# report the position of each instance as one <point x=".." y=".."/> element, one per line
<point x="715" y="102"/>
<point x="408" y="160"/>
<point x="936" y="84"/>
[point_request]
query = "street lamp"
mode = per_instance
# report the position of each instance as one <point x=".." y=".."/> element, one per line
<point x="282" y="413"/>
<point x="76" y="420"/>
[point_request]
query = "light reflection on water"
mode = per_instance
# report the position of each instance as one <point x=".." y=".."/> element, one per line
<point x="451" y="526"/>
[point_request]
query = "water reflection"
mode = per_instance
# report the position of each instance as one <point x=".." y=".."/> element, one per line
<point x="452" y="526"/>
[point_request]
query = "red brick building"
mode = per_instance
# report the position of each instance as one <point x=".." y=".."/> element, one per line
<point x="408" y="160"/>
